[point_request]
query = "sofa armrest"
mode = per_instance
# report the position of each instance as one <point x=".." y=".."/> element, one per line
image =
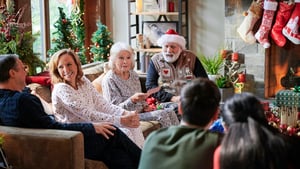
<point x="43" y="148"/>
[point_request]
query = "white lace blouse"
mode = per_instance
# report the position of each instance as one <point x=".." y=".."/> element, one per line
<point x="83" y="105"/>
<point x="87" y="105"/>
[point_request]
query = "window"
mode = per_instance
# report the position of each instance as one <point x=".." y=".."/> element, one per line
<point x="40" y="11"/>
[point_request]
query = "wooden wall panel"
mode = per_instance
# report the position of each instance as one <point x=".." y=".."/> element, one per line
<point x="94" y="11"/>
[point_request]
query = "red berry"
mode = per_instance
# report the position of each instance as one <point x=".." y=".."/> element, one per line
<point x="283" y="126"/>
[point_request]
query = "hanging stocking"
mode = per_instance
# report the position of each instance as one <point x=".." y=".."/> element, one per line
<point x="282" y="17"/>
<point x="262" y="34"/>
<point x="253" y="14"/>
<point x="291" y="29"/>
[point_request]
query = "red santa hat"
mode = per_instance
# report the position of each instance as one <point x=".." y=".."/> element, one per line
<point x="172" y="36"/>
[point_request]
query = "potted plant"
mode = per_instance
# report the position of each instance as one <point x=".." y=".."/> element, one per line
<point x="225" y="87"/>
<point x="212" y="65"/>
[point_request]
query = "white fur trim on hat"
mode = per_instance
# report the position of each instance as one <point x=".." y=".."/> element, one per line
<point x="172" y="38"/>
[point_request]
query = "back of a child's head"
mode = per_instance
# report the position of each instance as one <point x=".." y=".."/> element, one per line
<point x="199" y="100"/>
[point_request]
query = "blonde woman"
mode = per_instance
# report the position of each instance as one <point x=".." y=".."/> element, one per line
<point x="74" y="99"/>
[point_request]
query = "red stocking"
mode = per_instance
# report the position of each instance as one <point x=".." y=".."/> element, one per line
<point x="262" y="34"/>
<point x="291" y="29"/>
<point x="282" y="17"/>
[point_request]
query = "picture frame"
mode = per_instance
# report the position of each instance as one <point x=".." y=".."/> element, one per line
<point x="153" y="30"/>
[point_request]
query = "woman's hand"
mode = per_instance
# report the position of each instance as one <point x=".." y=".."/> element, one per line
<point x="130" y="119"/>
<point x="104" y="128"/>
<point x="138" y="97"/>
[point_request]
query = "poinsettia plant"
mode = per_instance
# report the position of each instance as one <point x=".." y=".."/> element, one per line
<point x="14" y="39"/>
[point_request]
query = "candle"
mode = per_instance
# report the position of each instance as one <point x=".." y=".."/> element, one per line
<point x="223" y="53"/>
<point x="242" y="77"/>
<point x="171" y="6"/>
<point x="235" y="56"/>
<point x="139" y="5"/>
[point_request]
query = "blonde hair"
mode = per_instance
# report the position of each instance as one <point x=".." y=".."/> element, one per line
<point x="115" y="51"/>
<point x="55" y="77"/>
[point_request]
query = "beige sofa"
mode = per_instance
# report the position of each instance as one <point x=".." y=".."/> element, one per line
<point x="45" y="149"/>
<point x="54" y="149"/>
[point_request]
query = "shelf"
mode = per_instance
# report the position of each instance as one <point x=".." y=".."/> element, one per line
<point x="136" y="26"/>
<point x="154" y="50"/>
<point x="155" y="13"/>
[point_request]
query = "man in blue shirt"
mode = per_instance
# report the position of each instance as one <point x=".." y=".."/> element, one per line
<point x="102" y="141"/>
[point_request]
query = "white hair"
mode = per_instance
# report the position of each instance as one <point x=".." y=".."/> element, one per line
<point x="115" y="49"/>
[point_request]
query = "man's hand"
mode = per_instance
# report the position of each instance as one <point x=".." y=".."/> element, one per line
<point x="130" y="119"/>
<point x="104" y="128"/>
<point x="175" y="99"/>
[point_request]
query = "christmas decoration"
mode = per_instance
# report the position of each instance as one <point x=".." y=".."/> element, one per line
<point x="151" y="101"/>
<point x="291" y="30"/>
<point x="65" y="36"/>
<point x="262" y="34"/>
<point x="102" y="43"/>
<point x="283" y="14"/>
<point x="274" y="115"/>
<point x="70" y="32"/>
<point x="232" y="67"/>
<point x="172" y="36"/>
<point x="79" y="30"/>
<point x="14" y="39"/>
<point x="253" y="14"/>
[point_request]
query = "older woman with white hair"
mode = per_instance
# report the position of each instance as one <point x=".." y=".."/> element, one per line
<point x="121" y="86"/>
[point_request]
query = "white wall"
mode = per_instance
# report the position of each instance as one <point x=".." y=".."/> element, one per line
<point x="206" y="25"/>
<point x="119" y="20"/>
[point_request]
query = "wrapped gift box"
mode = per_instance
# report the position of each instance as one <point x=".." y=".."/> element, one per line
<point x="288" y="102"/>
<point x="288" y="98"/>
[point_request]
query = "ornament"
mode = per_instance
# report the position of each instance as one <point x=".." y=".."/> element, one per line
<point x="64" y="21"/>
<point x="291" y="130"/>
<point x="235" y="57"/>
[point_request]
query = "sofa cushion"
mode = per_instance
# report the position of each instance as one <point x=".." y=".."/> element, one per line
<point x="43" y="148"/>
<point x="148" y="126"/>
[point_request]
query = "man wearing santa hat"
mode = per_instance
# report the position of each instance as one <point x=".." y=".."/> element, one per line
<point x="172" y="67"/>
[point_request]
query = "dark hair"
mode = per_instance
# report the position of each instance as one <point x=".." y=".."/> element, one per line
<point x="200" y="100"/>
<point x="250" y="143"/>
<point x="242" y="106"/>
<point x="7" y="62"/>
